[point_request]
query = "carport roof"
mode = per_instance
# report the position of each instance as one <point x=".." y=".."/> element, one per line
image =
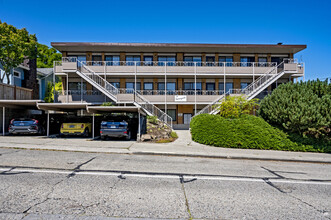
<point x="21" y="104"/>
<point x="61" y="106"/>
<point x="102" y="109"/>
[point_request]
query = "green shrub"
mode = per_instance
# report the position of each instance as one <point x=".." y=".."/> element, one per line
<point x="173" y="134"/>
<point x="152" y="119"/>
<point x="49" y="94"/>
<point x="107" y="104"/>
<point x="247" y="131"/>
<point x="302" y="108"/>
<point x="235" y="106"/>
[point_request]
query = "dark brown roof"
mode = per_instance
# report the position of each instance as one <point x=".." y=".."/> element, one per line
<point x="176" y="47"/>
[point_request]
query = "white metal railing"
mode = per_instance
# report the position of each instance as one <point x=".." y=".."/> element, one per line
<point x="79" y="92"/>
<point x="152" y="109"/>
<point x="69" y="59"/>
<point x="176" y="92"/>
<point x="251" y="89"/>
<point x="101" y="84"/>
<point x="179" y="63"/>
<point x="98" y="80"/>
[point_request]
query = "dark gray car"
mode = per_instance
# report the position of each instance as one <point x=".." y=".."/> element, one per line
<point x="25" y="126"/>
<point x="114" y="128"/>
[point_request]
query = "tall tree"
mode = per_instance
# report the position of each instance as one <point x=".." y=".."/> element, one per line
<point x="16" y="45"/>
<point x="47" y="56"/>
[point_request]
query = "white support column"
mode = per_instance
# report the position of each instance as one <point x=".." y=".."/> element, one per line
<point x="165" y="88"/>
<point x="224" y="79"/>
<point x="67" y="88"/>
<point x="3" y="120"/>
<point x="195" y="88"/>
<point x="253" y="74"/>
<point x="139" y="126"/>
<point x="47" y="123"/>
<point x="81" y="90"/>
<point x="135" y="77"/>
<point x="93" y="126"/>
<point x="53" y="81"/>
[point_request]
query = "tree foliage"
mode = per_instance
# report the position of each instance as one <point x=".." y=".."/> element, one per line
<point x="303" y="108"/>
<point x="47" y="56"/>
<point x="49" y="94"/>
<point x="15" y="46"/>
<point x="235" y="106"/>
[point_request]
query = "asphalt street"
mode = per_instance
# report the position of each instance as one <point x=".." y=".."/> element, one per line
<point x="37" y="184"/>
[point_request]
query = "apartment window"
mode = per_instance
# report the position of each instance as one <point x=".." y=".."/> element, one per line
<point x="277" y="60"/>
<point x="210" y="86"/>
<point x="96" y="60"/>
<point x="243" y="85"/>
<point x="262" y="61"/>
<point x="170" y="60"/>
<point x="189" y="60"/>
<point x="116" y="84"/>
<point x="171" y="87"/>
<point x="131" y="60"/>
<point x="172" y="113"/>
<point x="129" y="86"/>
<point x="228" y="87"/>
<point x="189" y="86"/>
<point x="247" y="61"/>
<point x="228" y="60"/>
<point x="148" y="60"/>
<point x="210" y="61"/>
<point x="138" y="86"/>
<point x="112" y="60"/>
<point x="148" y="86"/>
<point x="81" y="58"/>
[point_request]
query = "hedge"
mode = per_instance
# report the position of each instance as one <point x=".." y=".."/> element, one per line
<point x="248" y="132"/>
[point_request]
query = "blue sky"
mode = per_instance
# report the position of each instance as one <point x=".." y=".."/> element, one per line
<point x="290" y="22"/>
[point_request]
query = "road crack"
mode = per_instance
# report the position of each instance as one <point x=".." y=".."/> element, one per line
<point x="182" y="181"/>
<point x="267" y="181"/>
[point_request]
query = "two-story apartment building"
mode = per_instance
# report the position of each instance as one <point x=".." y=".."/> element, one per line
<point x="178" y="79"/>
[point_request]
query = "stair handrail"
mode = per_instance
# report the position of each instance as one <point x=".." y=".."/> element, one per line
<point x="152" y="109"/>
<point x="246" y="91"/>
<point x="99" y="80"/>
<point x="213" y="105"/>
<point x="263" y="79"/>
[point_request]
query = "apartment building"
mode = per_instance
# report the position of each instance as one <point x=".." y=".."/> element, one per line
<point x="172" y="81"/>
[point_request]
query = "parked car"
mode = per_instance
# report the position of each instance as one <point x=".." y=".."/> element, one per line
<point x="76" y="128"/>
<point x="26" y="126"/>
<point x="116" y="127"/>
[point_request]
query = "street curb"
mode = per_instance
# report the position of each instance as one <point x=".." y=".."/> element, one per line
<point x="181" y="155"/>
<point x="230" y="157"/>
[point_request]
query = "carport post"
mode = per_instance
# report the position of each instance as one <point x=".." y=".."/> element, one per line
<point x="93" y="126"/>
<point x="47" y="123"/>
<point x="3" y="120"/>
<point x="139" y="129"/>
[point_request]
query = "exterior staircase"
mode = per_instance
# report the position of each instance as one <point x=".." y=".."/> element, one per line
<point x="252" y="90"/>
<point x="112" y="92"/>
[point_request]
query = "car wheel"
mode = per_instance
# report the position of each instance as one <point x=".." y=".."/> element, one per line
<point x="103" y="138"/>
<point x="86" y="132"/>
<point x="128" y="137"/>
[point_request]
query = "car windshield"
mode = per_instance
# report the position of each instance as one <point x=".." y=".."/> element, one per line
<point x="23" y="122"/>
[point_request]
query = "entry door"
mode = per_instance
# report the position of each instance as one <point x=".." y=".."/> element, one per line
<point x="187" y="118"/>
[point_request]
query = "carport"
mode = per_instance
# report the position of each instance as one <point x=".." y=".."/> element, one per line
<point x="16" y="104"/>
<point x="60" y="107"/>
<point x="116" y="109"/>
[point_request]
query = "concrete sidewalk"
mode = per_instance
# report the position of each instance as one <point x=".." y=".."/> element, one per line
<point x="183" y="146"/>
